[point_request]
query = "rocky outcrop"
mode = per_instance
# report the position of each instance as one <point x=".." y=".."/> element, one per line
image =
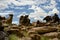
<point x="43" y="30"/>
<point x="40" y="24"/>
<point x="52" y="34"/>
<point x="48" y="18"/>
<point x="24" y="20"/>
<point x="9" y="19"/>
<point x="55" y="18"/>
<point x="36" y="30"/>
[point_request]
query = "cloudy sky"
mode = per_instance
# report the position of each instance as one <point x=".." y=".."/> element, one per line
<point x="36" y="9"/>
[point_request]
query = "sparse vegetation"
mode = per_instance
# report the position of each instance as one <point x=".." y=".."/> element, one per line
<point x="44" y="38"/>
<point x="13" y="37"/>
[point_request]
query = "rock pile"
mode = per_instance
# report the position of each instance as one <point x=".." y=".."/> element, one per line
<point x="50" y="29"/>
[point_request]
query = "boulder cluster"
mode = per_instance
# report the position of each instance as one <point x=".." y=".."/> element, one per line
<point x="34" y="30"/>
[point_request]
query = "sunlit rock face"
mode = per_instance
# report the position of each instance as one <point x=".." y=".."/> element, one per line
<point x="9" y="20"/>
<point x="51" y="34"/>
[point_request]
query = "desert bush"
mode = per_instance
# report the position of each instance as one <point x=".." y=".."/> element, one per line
<point x="44" y="38"/>
<point x="13" y="37"/>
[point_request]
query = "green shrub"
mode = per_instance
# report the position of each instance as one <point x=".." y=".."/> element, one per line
<point x="13" y="37"/>
<point x="44" y="38"/>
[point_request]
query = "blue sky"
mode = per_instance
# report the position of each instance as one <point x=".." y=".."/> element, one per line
<point x="36" y="9"/>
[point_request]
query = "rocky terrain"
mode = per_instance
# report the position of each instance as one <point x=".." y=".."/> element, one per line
<point x="49" y="30"/>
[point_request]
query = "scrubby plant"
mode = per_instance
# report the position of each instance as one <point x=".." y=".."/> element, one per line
<point x="44" y="38"/>
<point x="13" y="37"/>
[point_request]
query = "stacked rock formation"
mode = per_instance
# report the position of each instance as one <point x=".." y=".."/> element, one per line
<point x="38" y="28"/>
<point x="24" y="20"/>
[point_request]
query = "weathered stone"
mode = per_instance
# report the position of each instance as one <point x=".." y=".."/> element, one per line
<point x="2" y="35"/>
<point x="38" y="24"/>
<point x="21" y="20"/>
<point x="42" y="30"/>
<point x="51" y="34"/>
<point x="35" y="37"/>
<point x="48" y="18"/>
<point x="24" y="20"/>
<point x="1" y="20"/>
<point x="34" y="24"/>
<point x="9" y="20"/>
<point x="55" y="18"/>
<point x="54" y="39"/>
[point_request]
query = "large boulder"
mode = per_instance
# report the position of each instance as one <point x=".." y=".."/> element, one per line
<point x="35" y="37"/>
<point x="42" y="30"/>
<point x="51" y="34"/>
<point x="24" y="20"/>
<point x="48" y="18"/>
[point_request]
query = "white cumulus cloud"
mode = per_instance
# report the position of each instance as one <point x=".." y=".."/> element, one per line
<point x="4" y="3"/>
<point x="53" y="11"/>
<point x="4" y="14"/>
<point x="39" y="13"/>
<point x="51" y="5"/>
